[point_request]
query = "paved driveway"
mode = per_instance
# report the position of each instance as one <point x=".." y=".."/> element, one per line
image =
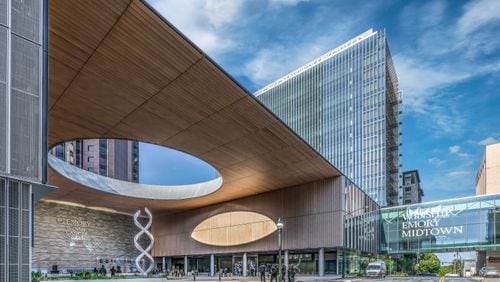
<point x="420" y="279"/>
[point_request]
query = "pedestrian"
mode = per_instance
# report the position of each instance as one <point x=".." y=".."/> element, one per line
<point x="274" y="273"/>
<point x="262" y="270"/>
<point x="102" y="270"/>
<point x="113" y="271"/>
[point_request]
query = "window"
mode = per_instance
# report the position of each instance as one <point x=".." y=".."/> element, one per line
<point x="91" y="169"/>
<point x="407" y="189"/>
<point x="407" y="202"/>
<point x="90" y="159"/>
<point x="90" y="148"/>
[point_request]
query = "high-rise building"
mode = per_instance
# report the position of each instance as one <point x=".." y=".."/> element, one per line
<point x="488" y="175"/>
<point x="346" y="105"/>
<point x="23" y="130"/>
<point x="113" y="158"/>
<point x="412" y="192"/>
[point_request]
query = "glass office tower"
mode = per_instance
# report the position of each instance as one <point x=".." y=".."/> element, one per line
<point x="346" y="105"/>
<point x="23" y="125"/>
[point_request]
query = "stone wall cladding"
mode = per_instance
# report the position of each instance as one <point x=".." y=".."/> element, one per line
<point x="75" y="238"/>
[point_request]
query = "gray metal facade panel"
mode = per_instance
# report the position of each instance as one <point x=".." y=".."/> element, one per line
<point x="3" y="128"/>
<point x="25" y="66"/>
<point x="26" y="19"/>
<point x="121" y="160"/>
<point x="25" y="140"/>
<point x="14" y="256"/>
<point x="3" y="54"/>
<point x="3" y="14"/>
<point x="3" y="98"/>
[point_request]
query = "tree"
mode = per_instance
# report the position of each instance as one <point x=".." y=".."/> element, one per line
<point x="429" y="263"/>
<point x="389" y="265"/>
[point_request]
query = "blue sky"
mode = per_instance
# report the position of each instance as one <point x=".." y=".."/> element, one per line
<point x="446" y="53"/>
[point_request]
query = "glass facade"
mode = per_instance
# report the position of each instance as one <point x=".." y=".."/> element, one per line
<point x="464" y="224"/>
<point x="361" y="221"/>
<point x="345" y="105"/>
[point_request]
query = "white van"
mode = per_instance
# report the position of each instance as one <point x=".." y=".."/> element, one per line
<point x="376" y="269"/>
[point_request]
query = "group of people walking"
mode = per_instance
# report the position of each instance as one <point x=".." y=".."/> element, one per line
<point x="272" y="271"/>
<point x="103" y="271"/>
<point x="238" y="268"/>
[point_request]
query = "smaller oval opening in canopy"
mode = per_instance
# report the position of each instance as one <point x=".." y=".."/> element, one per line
<point x="233" y="228"/>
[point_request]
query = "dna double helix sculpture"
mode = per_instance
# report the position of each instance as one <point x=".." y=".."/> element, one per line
<point x="144" y="253"/>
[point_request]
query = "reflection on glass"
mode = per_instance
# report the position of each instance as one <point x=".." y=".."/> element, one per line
<point x="467" y="223"/>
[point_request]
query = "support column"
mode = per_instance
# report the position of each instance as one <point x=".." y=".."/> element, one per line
<point x="212" y="265"/>
<point x="286" y="259"/>
<point x="244" y="264"/>
<point x="321" y="262"/>
<point x="186" y="265"/>
<point x="163" y="265"/>
<point x="169" y="263"/>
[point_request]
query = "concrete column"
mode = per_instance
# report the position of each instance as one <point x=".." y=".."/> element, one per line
<point x="212" y="265"/>
<point x="337" y="262"/>
<point x="163" y="264"/>
<point x="321" y="262"/>
<point x="286" y="259"/>
<point x="244" y="264"/>
<point x="169" y="263"/>
<point x="186" y="265"/>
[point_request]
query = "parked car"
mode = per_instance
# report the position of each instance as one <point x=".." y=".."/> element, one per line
<point x="376" y="269"/>
<point x="490" y="271"/>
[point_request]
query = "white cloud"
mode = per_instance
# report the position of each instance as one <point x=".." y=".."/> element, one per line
<point x="276" y="3"/>
<point x="464" y="155"/>
<point x="271" y="63"/>
<point x="454" y="149"/>
<point x="420" y="80"/>
<point x="445" y="53"/>
<point x="488" y="141"/>
<point x="436" y="161"/>
<point x="203" y="21"/>
<point x="458" y="173"/>
<point x="478" y="14"/>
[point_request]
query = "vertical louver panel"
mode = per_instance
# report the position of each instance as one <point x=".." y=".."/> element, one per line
<point x="3" y="234"/>
<point x="25" y="66"/>
<point x="13" y="250"/>
<point x="15" y="229"/>
<point x="25" y="108"/>
<point x="3" y="16"/>
<point x="3" y="97"/>
<point x="25" y="143"/>
<point x="26" y="16"/>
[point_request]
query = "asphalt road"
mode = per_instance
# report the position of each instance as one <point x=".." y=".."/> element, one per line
<point x="422" y="279"/>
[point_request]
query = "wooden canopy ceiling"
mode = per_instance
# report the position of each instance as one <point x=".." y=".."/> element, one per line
<point x="119" y="70"/>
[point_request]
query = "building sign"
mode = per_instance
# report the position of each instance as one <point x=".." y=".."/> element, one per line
<point x="421" y="222"/>
<point x="75" y="229"/>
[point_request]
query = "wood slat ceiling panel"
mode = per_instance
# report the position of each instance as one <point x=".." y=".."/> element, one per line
<point x="71" y="42"/>
<point x="144" y="81"/>
<point x="59" y="76"/>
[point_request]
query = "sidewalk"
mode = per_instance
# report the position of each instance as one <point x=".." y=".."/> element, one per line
<point x="298" y="278"/>
<point x="211" y="279"/>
